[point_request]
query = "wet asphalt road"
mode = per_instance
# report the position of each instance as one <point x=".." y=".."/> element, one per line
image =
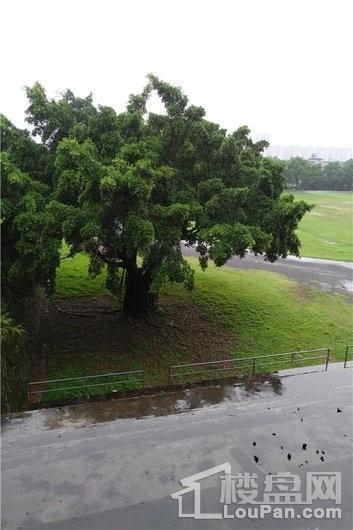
<point x="113" y="465"/>
<point x="326" y="275"/>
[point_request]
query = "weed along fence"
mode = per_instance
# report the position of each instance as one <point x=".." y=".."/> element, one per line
<point x="181" y="374"/>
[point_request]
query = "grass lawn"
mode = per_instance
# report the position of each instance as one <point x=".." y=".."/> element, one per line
<point x="230" y="313"/>
<point x="73" y="279"/>
<point x="270" y="313"/>
<point x="327" y="231"/>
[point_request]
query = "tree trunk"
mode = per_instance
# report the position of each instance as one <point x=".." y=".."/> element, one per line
<point x="138" y="300"/>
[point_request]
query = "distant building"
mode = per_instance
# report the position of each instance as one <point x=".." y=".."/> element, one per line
<point x="333" y="154"/>
<point x="315" y="160"/>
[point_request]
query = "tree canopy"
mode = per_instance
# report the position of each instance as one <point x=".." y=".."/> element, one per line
<point x="30" y="234"/>
<point x="132" y="188"/>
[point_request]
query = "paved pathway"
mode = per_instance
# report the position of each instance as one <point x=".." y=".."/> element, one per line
<point x="98" y="467"/>
<point x="327" y="275"/>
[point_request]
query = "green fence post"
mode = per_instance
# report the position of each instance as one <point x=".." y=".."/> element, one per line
<point x="327" y="358"/>
<point x="345" y="358"/>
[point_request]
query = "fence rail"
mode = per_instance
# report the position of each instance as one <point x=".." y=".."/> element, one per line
<point x="40" y="389"/>
<point x="246" y="365"/>
<point x="349" y="353"/>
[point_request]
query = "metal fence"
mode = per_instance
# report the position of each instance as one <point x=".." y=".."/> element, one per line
<point x="349" y="353"/>
<point x="246" y="365"/>
<point x="39" y="391"/>
<point x="81" y="386"/>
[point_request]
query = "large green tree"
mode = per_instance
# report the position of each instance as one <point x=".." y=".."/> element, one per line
<point x="131" y="189"/>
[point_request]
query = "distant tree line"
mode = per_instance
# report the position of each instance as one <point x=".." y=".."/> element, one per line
<point x="303" y="175"/>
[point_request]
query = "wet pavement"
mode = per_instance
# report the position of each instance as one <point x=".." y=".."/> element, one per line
<point x="144" y="406"/>
<point x="113" y="465"/>
<point x="326" y="275"/>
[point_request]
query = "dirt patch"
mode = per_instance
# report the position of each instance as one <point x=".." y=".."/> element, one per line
<point x="302" y="291"/>
<point x="39" y="373"/>
<point x="86" y="337"/>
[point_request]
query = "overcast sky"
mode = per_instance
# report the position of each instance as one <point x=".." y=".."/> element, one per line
<point x="283" y="67"/>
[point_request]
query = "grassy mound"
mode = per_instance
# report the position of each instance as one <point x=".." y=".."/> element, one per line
<point x="230" y="313"/>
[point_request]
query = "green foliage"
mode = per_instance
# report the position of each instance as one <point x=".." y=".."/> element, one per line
<point x="130" y="188"/>
<point x="54" y="120"/>
<point x="31" y="232"/>
<point x="29" y="157"/>
<point x="31" y="235"/>
<point x="12" y="361"/>
<point x="173" y="268"/>
<point x="8" y="328"/>
<point x="302" y="175"/>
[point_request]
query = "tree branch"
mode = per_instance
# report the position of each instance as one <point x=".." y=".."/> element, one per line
<point x="111" y="261"/>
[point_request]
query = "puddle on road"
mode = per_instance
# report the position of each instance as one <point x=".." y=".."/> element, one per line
<point x="319" y="261"/>
<point x="348" y="286"/>
<point x="293" y="383"/>
<point x="165" y="403"/>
